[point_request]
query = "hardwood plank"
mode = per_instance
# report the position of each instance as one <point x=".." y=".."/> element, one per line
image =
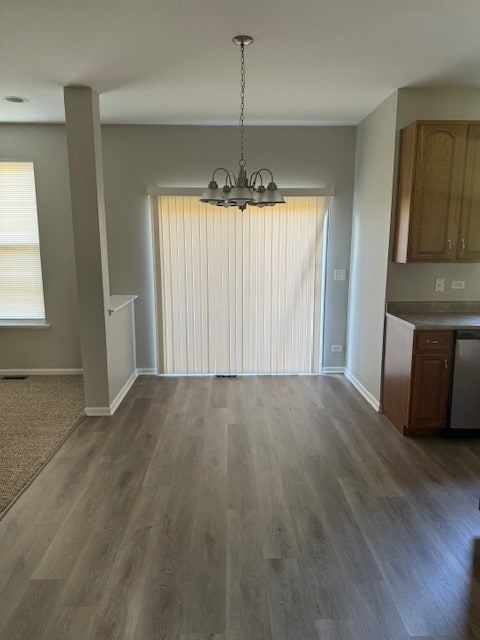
<point x="288" y="611"/>
<point x="242" y="487"/>
<point x="205" y="599"/>
<point x="247" y="602"/>
<point x="278" y="535"/>
<point x="30" y="614"/>
<point x="74" y="623"/>
<point x="216" y="445"/>
<point x="62" y="553"/>
<point x="372" y="467"/>
<point x="117" y="612"/>
<point x="168" y="554"/>
<point x="335" y="629"/>
<point x="166" y="451"/>
<point x="414" y="597"/>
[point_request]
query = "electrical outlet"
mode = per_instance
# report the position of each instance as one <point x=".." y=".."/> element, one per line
<point x="457" y="284"/>
<point x="439" y="285"/>
<point x="337" y="348"/>
<point x="339" y="274"/>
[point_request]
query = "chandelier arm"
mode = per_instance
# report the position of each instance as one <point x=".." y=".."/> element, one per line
<point x="265" y="169"/>
<point x="253" y="179"/>
<point x="222" y="169"/>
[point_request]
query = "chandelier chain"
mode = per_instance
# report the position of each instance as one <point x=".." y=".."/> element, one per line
<point x="242" y="105"/>
<point x="241" y="190"/>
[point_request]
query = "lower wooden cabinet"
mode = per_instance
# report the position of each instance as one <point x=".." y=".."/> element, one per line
<point x="416" y="377"/>
<point x="429" y="390"/>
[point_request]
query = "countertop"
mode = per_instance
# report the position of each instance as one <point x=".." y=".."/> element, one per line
<point x="443" y="320"/>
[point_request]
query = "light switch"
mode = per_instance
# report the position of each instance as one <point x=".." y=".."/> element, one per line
<point x="339" y="274"/>
<point x="457" y="284"/>
<point x="439" y="285"/>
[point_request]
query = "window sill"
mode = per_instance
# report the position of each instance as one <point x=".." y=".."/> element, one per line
<point x="24" y="324"/>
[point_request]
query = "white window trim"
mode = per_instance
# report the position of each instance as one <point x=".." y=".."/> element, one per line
<point x="24" y="324"/>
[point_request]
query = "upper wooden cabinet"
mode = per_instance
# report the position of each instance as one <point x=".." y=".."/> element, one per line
<point x="468" y="249"/>
<point x="438" y="199"/>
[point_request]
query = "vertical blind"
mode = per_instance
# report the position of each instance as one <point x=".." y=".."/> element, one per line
<point x="239" y="292"/>
<point x="21" y="287"/>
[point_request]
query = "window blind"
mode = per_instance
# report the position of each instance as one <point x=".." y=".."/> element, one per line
<point x="240" y="292"/>
<point x="21" y="286"/>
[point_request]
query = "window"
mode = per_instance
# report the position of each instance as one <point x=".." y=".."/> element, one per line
<point x="21" y="286"/>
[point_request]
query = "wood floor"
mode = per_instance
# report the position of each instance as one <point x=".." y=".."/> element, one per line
<point x="248" y="509"/>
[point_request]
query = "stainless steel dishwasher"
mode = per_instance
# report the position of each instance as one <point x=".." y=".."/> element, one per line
<point x="465" y="404"/>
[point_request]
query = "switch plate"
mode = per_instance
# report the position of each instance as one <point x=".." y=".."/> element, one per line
<point x="339" y="274"/>
<point x="457" y="284"/>
<point x="439" y="285"/>
<point x="337" y="348"/>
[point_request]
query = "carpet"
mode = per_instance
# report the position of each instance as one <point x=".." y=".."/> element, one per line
<point x="36" y="414"/>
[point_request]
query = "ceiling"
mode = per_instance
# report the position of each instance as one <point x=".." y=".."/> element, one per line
<point x="173" y="62"/>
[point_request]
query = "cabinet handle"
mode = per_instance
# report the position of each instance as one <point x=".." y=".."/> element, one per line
<point x="449" y="245"/>
<point x="462" y="244"/>
<point x="433" y="341"/>
<point x="445" y="364"/>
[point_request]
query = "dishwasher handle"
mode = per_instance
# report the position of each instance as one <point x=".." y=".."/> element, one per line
<point x="468" y="334"/>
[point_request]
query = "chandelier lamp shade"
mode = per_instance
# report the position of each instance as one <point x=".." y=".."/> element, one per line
<point x="242" y="190"/>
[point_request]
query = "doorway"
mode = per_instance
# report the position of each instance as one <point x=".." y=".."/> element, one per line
<point x="239" y="292"/>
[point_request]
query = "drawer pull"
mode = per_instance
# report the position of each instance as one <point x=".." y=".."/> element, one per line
<point x="445" y="362"/>
<point x="433" y="341"/>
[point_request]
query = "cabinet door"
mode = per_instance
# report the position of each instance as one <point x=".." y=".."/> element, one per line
<point x="437" y="195"/>
<point x="431" y="375"/>
<point x="469" y="237"/>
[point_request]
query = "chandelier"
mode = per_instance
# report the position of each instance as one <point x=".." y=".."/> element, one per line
<point x="238" y="191"/>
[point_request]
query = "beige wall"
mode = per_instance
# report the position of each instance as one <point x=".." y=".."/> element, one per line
<point x="57" y="346"/>
<point x="374" y="166"/>
<point x="136" y="156"/>
<point x="416" y="281"/>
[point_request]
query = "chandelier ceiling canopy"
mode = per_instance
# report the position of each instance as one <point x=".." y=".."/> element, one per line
<point x="240" y="190"/>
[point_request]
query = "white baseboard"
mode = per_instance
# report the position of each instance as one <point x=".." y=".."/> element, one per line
<point x="40" y="372"/>
<point x="153" y="372"/>
<point x="109" y="411"/>
<point x="123" y="392"/>
<point x="328" y="370"/>
<point x="370" y="398"/>
<point x="97" y="411"/>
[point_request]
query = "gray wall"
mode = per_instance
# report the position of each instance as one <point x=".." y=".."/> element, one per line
<point x="135" y="157"/>
<point x="57" y="346"/>
<point x="376" y="163"/>
<point x="374" y="167"/>
<point x="416" y="281"/>
<point x="175" y="156"/>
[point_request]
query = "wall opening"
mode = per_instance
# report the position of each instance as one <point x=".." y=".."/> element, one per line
<point x="239" y="293"/>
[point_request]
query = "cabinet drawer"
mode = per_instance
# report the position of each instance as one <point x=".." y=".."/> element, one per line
<point x="427" y="341"/>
